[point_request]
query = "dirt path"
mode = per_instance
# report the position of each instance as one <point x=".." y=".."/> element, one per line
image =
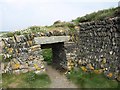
<point x="58" y="80"/>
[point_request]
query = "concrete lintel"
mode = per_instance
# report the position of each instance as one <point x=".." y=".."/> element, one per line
<point x="52" y="39"/>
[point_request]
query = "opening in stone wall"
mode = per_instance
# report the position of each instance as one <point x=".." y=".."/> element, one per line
<point x="55" y="53"/>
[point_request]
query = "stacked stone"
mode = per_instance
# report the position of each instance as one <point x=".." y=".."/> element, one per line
<point x="56" y="32"/>
<point x="71" y="55"/>
<point x="0" y="63"/>
<point x="23" y="53"/>
<point x="99" y="47"/>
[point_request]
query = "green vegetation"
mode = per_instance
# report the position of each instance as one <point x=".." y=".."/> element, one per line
<point x="91" y="80"/>
<point x="100" y="15"/>
<point x="0" y="80"/>
<point x="26" y="80"/>
<point x="9" y="34"/>
<point x="1" y="57"/>
<point x="47" y="54"/>
<point x="18" y="33"/>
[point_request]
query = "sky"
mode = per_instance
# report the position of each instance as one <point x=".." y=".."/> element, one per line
<point x="20" y="14"/>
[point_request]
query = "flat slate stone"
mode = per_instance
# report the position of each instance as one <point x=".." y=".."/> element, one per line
<point x="52" y="39"/>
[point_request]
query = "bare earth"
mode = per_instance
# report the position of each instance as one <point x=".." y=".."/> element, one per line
<point x="58" y="79"/>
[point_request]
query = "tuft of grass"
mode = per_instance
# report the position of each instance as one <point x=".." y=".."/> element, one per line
<point x="47" y="54"/>
<point x="10" y="34"/>
<point x="91" y="80"/>
<point x="26" y="80"/>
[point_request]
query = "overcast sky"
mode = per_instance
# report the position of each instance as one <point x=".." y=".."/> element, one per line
<point x="20" y="14"/>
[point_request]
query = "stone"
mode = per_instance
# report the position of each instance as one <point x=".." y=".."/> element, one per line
<point x="42" y="34"/>
<point x="30" y="43"/>
<point x="42" y="66"/>
<point x="17" y="38"/>
<point x="34" y="48"/>
<point x="15" y="61"/>
<point x="5" y="56"/>
<point x="2" y="66"/>
<point x="17" y="72"/>
<point x="111" y="52"/>
<point x="30" y="62"/>
<point x="118" y="78"/>
<point x="98" y="71"/>
<point x="31" y="68"/>
<point x="104" y="60"/>
<point x="15" y="66"/>
<point x="52" y="39"/>
<point x="24" y="66"/>
<point x="84" y="69"/>
<point x="24" y="70"/>
<point x="110" y="74"/>
<point x="90" y="66"/>
<point x="30" y="58"/>
<point x="40" y="71"/>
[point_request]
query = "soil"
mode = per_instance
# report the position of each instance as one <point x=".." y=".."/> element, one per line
<point x="58" y="79"/>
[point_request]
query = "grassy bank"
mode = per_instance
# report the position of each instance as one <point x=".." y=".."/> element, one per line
<point x="26" y="80"/>
<point x="99" y="15"/>
<point x="91" y="80"/>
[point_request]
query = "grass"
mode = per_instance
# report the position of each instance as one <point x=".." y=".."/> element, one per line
<point x="99" y="15"/>
<point x="0" y="80"/>
<point x="26" y="80"/>
<point x="47" y="54"/>
<point x="91" y="80"/>
<point x="0" y="57"/>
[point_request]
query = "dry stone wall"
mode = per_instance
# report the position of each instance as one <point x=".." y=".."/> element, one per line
<point x="99" y="47"/>
<point x="71" y="55"/>
<point x="21" y="54"/>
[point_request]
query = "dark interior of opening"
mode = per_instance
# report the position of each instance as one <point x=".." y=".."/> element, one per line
<point x="54" y="54"/>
